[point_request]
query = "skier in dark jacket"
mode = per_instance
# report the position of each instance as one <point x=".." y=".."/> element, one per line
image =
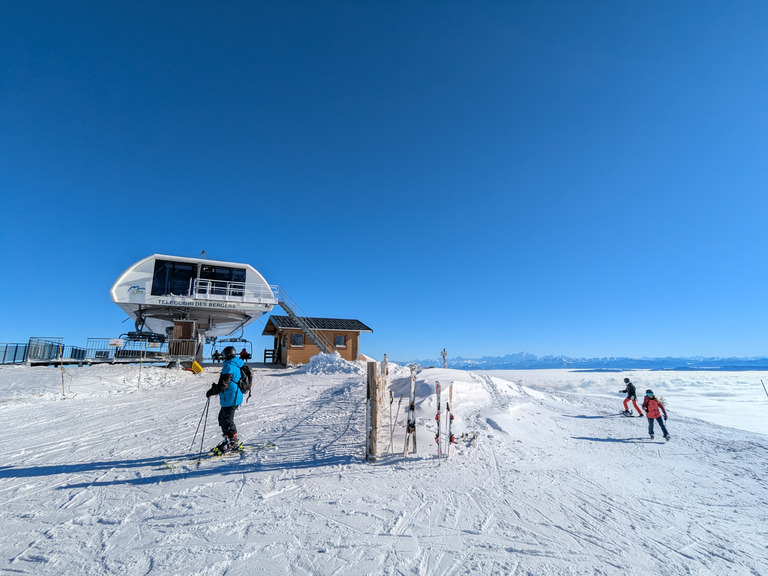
<point x="653" y="409"/>
<point x="230" y="398"/>
<point x="631" y="393"/>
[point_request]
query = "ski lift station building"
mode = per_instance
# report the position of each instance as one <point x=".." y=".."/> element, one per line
<point x="190" y="299"/>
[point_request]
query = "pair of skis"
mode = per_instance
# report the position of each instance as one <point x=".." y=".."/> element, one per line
<point x="450" y="439"/>
<point x="410" y="426"/>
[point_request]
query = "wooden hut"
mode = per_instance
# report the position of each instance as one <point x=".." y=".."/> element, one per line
<point x="296" y="344"/>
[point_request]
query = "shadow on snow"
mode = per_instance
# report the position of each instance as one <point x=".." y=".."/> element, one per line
<point x="187" y="469"/>
<point x="619" y="440"/>
<point x="594" y="417"/>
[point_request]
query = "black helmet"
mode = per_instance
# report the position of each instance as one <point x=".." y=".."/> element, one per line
<point x="626" y="380"/>
<point x="649" y="392"/>
<point x="229" y="352"/>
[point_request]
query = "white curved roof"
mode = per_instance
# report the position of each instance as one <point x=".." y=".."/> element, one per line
<point x="221" y="296"/>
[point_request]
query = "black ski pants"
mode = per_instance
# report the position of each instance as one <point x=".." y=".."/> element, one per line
<point x="660" y="420"/>
<point x="227" y="420"/>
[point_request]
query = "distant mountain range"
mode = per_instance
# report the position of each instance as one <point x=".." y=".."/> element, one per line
<point x="526" y="361"/>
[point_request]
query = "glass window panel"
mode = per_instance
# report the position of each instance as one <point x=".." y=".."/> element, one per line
<point x="238" y="275"/>
<point x="161" y="279"/>
<point x="206" y="272"/>
<point x="182" y="274"/>
<point x="224" y="274"/>
<point x="220" y="277"/>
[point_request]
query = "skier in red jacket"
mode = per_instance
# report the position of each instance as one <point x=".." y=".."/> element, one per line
<point x="653" y="409"/>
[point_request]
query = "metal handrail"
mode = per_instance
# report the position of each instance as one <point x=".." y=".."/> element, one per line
<point x="13" y="353"/>
<point x="241" y="291"/>
<point x="108" y="349"/>
<point x="297" y="315"/>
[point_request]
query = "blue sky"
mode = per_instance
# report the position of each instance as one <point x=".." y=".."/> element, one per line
<point x="574" y="178"/>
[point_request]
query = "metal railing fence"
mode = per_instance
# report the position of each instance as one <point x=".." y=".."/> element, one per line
<point x="13" y="353"/>
<point x="112" y="349"/>
<point x="235" y="291"/>
<point x="51" y="349"/>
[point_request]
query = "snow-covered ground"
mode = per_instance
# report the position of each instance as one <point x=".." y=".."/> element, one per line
<point x="554" y="482"/>
<point x="735" y="399"/>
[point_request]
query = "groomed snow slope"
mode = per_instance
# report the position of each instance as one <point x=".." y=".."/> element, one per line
<point x="553" y="484"/>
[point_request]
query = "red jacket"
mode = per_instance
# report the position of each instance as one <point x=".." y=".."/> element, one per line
<point x="651" y="406"/>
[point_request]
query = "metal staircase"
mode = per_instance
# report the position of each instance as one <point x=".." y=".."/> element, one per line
<point x="297" y="315"/>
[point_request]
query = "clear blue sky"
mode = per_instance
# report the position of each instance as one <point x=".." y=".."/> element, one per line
<point x="580" y="178"/>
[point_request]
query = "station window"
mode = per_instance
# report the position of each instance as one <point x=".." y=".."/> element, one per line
<point x="173" y="278"/>
<point x="238" y="279"/>
<point x="341" y="341"/>
<point x="222" y="278"/>
<point x="297" y="340"/>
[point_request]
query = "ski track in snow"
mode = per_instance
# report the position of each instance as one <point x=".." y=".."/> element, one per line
<point x="554" y="484"/>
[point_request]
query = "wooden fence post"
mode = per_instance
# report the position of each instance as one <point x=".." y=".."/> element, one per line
<point x="372" y="431"/>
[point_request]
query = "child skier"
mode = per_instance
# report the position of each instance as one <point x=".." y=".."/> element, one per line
<point x="631" y="393"/>
<point x="653" y="409"/>
<point x="230" y="398"/>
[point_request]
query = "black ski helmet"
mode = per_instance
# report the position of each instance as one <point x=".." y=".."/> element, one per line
<point x="649" y="392"/>
<point x="626" y="380"/>
<point x="229" y="352"/>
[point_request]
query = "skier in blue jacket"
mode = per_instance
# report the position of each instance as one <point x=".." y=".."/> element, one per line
<point x="230" y="398"/>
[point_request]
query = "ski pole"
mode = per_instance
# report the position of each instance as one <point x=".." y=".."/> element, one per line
<point x="202" y="438"/>
<point x="205" y="409"/>
<point x="764" y="388"/>
<point x="391" y="400"/>
<point x="392" y="424"/>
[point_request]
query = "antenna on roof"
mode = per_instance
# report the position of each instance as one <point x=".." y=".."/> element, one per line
<point x="204" y="254"/>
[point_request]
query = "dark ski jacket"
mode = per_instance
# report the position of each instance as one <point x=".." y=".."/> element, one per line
<point x="227" y="388"/>
<point x="630" y="391"/>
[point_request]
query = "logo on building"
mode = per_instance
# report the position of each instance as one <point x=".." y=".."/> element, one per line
<point x="133" y="290"/>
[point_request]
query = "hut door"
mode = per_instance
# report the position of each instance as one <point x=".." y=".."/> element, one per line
<point x="184" y="340"/>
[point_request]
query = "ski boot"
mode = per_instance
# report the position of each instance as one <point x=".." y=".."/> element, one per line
<point x="221" y="447"/>
<point x="651" y="435"/>
<point x="234" y="444"/>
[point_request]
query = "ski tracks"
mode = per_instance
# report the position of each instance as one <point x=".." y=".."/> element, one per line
<point x="551" y="491"/>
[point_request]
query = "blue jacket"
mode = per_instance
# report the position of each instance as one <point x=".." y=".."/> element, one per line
<point x="231" y="396"/>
